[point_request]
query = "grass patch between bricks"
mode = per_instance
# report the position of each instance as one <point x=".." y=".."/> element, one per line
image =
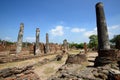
<point x="48" y="70"/>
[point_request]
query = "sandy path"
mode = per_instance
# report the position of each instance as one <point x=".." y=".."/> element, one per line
<point x="45" y="71"/>
<point x="25" y="62"/>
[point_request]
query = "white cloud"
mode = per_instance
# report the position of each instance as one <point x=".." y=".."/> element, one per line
<point x="114" y="27"/>
<point x="113" y="30"/>
<point x="30" y="39"/>
<point x="82" y="34"/>
<point x="58" y="31"/>
<point x="7" y="38"/>
<point x="95" y="29"/>
<point x="85" y="32"/>
<point x="77" y="30"/>
<point x="88" y="33"/>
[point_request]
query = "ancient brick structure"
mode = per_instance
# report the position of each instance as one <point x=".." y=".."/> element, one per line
<point x="65" y="45"/>
<point x="20" y="38"/>
<point x="76" y="59"/>
<point x="42" y="48"/>
<point x="47" y="50"/>
<point x="85" y="48"/>
<point x="102" y="31"/>
<point x="105" y="54"/>
<point x="52" y="47"/>
<point x="26" y="44"/>
<point x="37" y="47"/>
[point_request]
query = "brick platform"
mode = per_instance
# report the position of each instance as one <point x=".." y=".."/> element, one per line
<point x="106" y="57"/>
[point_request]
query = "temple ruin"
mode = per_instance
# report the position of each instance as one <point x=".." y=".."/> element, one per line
<point x="47" y="49"/>
<point x="65" y="45"/>
<point x="37" y="46"/>
<point x="20" y="38"/>
<point x="105" y="54"/>
<point x="53" y="61"/>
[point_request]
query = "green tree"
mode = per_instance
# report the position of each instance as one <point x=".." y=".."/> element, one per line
<point x="0" y="40"/>
<point x="76" y="45"/>
<point x="116" y="40"/>
<point x="93" y="43"/>
<point x="80" y="45"/>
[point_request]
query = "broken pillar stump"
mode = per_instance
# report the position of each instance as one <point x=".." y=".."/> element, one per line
<point x="76" y="59"/>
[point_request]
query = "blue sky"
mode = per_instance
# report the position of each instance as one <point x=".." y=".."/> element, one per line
<point x="74" y="20"/>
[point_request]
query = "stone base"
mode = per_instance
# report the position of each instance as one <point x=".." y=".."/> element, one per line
<point x="76" y="59"/>
<point x="113" y="76"/>
<point x="37" y="52"/>
<point x="105" y="57"/>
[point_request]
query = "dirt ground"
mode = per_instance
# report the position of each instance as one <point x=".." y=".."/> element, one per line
<point x="25" y="62"/>
<point x="46" y="70"/>
<point x="49" y="69"/>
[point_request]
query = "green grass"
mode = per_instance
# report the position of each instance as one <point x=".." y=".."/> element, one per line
<point x="48" y="70"/>
<point x="74" y="51"/>
<point x="59" y="62"/>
